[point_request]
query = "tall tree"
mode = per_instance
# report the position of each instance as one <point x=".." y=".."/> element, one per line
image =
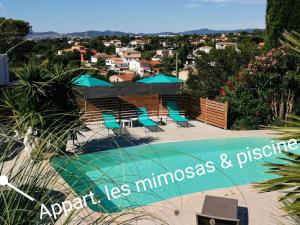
<point x="12" y="31"/>
<point x="281" y="16"/>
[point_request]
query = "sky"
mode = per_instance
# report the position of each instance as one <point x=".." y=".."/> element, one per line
<point x="145" y="16"/>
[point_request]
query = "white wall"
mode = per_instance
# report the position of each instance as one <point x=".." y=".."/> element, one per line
<point x="4" y="75"/>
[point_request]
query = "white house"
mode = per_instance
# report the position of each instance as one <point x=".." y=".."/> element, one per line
<point x="95" y="58"/>
<point x="123" y="50"/>
<point x="131" y="56"/>
<point x="4" y="75"/>
<point x="141" y="67"/>
<point x="223" y="45"/>
<point x="116" y="64"/>
<point x="137" y="67"/>
<point x="116" y="43"/>
<point x="136" y="43"/>
<point x="205" y="49"/>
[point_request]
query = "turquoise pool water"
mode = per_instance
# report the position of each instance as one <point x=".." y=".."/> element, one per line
<point x="132" y="173"/>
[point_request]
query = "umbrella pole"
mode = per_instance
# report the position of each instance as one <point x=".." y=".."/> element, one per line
<point x="85" y="109"/>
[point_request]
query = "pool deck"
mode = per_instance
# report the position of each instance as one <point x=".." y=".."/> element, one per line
<point x="262" y="207"/>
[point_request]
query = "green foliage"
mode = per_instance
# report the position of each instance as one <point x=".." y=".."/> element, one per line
<point x="12" y="33"/>
<point x="147" y="55"/>
<point x="264" y="93"/>
<point x="215" y="68"/>
<point x="246" y="109"/>
<point x="288" y="181"/>
<point x="291" y="130"/>
<point x="281" y="16"/>
<point x="110" y="50"/>
<point x="45" y="100"/>
<point x="168" y="65"/>
<point x="292" y="41"/>
<point x="101" y="64"/>
<point x="276" y="80"/>
<point x="64" y="59"/>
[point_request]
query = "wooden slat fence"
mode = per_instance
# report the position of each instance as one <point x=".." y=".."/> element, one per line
<point x="210" y="112"/>
<point x="207" y="111"/>
<point x="123" y="107"/>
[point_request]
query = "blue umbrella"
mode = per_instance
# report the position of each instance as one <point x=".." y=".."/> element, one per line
<point x="89" y="81"/>
<point x="160" y="78"/>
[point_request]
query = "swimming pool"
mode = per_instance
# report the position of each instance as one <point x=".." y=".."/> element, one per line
<point x="141" y="175"/>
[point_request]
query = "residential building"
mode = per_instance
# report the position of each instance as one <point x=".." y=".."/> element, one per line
<point x="75" y="47"/>
<point x="198" y="41"/>
<point x="261" y="44"/>
<point x="116" y="64"/>
<point x="205" y="49"/>
<point x="124" y="50"/>
<point x="122" y="77"/>
<point x="165" y="53"/>
<point x="184" y="75"/>
<point x="95" y="58"/>
<point x="143" y="67"/>
<point x="131" y="56"/>
<point x="117" y="43"/>
<point x="223" y="45"/>
<point x="137" y="43"/>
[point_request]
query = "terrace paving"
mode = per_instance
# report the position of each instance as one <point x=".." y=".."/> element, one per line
<point x="263" y="208"/>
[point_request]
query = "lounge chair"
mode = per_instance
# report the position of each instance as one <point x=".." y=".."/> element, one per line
<point x="174" y="113"/>
<point x="143" y="118"/>
<point x="110" y="121"/>
<point x="218" y="210"/>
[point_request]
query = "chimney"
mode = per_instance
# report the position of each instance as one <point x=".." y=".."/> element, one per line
<point x="4" y="75"/>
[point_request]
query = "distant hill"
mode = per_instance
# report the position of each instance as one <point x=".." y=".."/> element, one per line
<point x="92" y="34"/>
<point x="209" y="31"/>
<point x="99" y="33"/>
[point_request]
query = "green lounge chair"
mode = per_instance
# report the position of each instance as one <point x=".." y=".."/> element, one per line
<point x="174" y="113"/>
<point x="110" y="121"/>
<point x="143" y="118"/>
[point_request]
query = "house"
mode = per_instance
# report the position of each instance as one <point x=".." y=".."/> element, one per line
<point x="184" y="75"/>
<point x="95" y="58"/>
<point x="137" y="43"/>
<point x="165" y="53"/>
<point x="143" y="67"/>
<point x="205" y="49"/>
<point x="124" y="50"/>
<point x="223" y="45"/>
<point x="117" y="43"/>
<point x="122" y="77"/>
<point x="261" y="44"/>
<point x="75" y="47"/>
<point x="116" y="64"/>
<point x="131" y="56"/>
<point x="197" y="41"/>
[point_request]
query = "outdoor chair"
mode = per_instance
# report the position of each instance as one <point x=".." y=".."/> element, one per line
<point x="144" y="119"/>
<point x="218" y="211"/>
<point x="110" y="121"/>
<point x="174" y="113"/>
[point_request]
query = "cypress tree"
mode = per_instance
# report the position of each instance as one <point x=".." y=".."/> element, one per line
<point x="281" y="15"/>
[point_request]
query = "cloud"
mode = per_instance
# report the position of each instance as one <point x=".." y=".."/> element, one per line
<point x="193" y="5"/>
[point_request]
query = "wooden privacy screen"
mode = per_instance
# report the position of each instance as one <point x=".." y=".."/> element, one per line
<point x="123" y="107"/>
<point x="210" y="112"/>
